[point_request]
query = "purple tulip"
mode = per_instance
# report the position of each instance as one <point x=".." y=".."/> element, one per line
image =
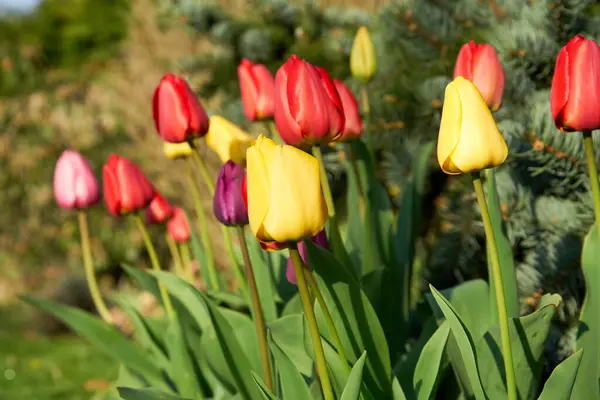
<point x="228" y="203"/>
<point x="75" y="186"/>
<point x="320" y="239"/>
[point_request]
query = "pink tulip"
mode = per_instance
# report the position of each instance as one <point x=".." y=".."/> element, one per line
<point x="75" y="186"/>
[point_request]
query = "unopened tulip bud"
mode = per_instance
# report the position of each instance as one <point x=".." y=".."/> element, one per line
<point x="228" y="202"/>
<point x="353" y="127"/>
<point x="320" y="239"/>
<point x="75" y="186"/>
<point x="126" y="189"/>
<point x="469" y="139"/>
<point x="575" y="94"/>
<point x="174" y="151"/>
<point x="227" y="140"/>
<point x="363" y="61"/>
<point x="178" y="226"/>
<point x="257" y="88"/>
<point x="159" y="210"/>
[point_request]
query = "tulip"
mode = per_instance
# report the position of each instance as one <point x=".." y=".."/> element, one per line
<point x="159" y="210"/>
<point x="257" y="88"/>
<point x="469" y="139"/>
<point x="320" y="239"/>
<point x="174" y="151"/>
<point x="575" y="94"/>
<point x="479" y="63"/>
<point x="363" y="61"/>
<point x="308" y="109"/>
<point x="179" y="227"/>
<point x="126" y="189"/>
<point x="228" y="140"/>
<point x="228" y="202"/>
<point x="75" y="186"/>
<point x="353" y="126"/>
<point x="178" y="115"/>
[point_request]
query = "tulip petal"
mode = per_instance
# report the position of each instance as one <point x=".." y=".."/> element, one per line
<point x="110" y="189"/>
<point x="449" y="129"/>
<point x="265" y="103"/>
<point x="488" y="75"/>
<point x="171" y="111"/>
<point x="286" y="125"/>
<point x="257" y="185"/>
<point x="464" y="61"/>
<point x="248" y="89"/>
<point x="560" y="87"/>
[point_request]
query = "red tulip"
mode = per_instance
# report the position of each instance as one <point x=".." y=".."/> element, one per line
<point x="308" y="109"/>
<point x="159" y="210"/>
<point x="257" y="88"/>
<point x="575" y="94"/>
<point x="75" y="186"/>
<point x="178" y="115"/>
<point x="179" y="227"/>
<point x="353" y="126"/>
<point x="126" y="189"/>
<point x="479" y="63"/>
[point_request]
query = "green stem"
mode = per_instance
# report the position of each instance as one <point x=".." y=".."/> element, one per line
<point x="499" y="288"/>
<point x="273" y="133"/>
<point x="239" y="274"/>
<point x="259" y="318"/>
<point x="90" y="274"/>
<point x="177" y="264"/>
<point x="366" y="109"/>
<point x="203" y="228"/>
<point x="155" y="265"/>
<point x="311" y="320"/>
<point x="316" y="150"/>
<point x="188" y="270"/>
<point x="314" y="287"/>
<point x="591" y="163"/>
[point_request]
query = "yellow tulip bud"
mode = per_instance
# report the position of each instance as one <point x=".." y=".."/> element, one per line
<point x="228" y="140"/>
<point x="177" y="150"/>
<point x="285" y="201"/>
<point x="469" y="139"/>
<point x="363" y="61"/>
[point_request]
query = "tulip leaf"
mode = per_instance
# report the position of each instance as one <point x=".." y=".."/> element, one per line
<point x="293" y="385"/>
<point x="354" y="318"/>
<point x="427" y="372"/>
<point x="182" y="367"/>
<point x="288" y="334"/>
<point x="266" y="394"/>
<point x="588" y="335"/>
<point x="507" y="264"/>
<point x="397" y="392"/>
<point x="561" y="382"/>
<point x="147" y="394"/>
<point x="352" y="389"/>
<point x="293" y="306"/>
<point x="464" y="342"/>
<point x="264" y="282"/>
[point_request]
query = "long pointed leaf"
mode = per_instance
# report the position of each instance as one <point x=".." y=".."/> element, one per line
<point x="427" y="372"/>
<point x="293" y="385"/>
<point x="352" y="389"/>
<point x="182" y="367"/>
<point x="561" y="382"/>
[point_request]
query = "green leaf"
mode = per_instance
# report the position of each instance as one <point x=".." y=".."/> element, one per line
<point x="528" y="338"/>
<point x="264" y="283"/>
<point x="397" y="392"/>
<point x="427" y="373"/>
<point x="354" y="318"/>
<point x="288" y="334"/>
<point x="561" y="382"/>
<point x="293" y="306"/>
<point x="293" y="385"/>
<point x="588" y="336"/>
<point x="507" y="264"/>
<point x="352" y="389"/>
<point x="464" y="342"/>
<point x="266" y="394"/>
<point x="104" y="337"/>
<point x="182" y="367"/>
<point x="146" y="394"/>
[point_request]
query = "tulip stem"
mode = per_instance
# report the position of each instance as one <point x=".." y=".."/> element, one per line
<point x="588" y="143"/>
<point x="311" y="320"/>
<point x="88" y="265"/>
<point x="499" y="288"/>
<point x="175" y="255"/>
<point x="314" y="287"/>
<point x="366" y="109"/>
<point x="203" y="227"/>
<point x="155" y="265"/>
<point x="188" y="270"/>
<point x="259" y="318"/>
<point x="239" y="274"/>
<point x="316" y="150"/>
<point x="273" y="133"/>
<point x="202" y="167"/>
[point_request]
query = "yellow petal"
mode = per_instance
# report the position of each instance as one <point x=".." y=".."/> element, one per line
<point x="177" y="150"/>
<point x="227" y="140"/>
<point x="480" y="143"/>
<point x="449" y="129"/>
<point x="257" y="187"/>
<point x="363" y="61"/>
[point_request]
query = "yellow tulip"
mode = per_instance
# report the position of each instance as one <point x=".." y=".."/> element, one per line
<point x="363" y="61"/>
<point x="469" y="139"/>
<point x="285" y="201"/>
<point x="177" y="150"/>
<point x="228" y="140"/>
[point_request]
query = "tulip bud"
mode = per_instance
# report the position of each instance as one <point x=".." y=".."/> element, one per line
<point x="126" y="189"/>
<point x="320" y="239"/>
<point x="228" y="202"/>
<point x="469" y="139"/>
<point x="178" y="226"/>
<point x="353" y="126"/>
<point x="75" y="186"/>
<point x="174" y="151"/>
<point x="479" y="63"/>
<point x="308" y="109"/>
<point x="159" y="210"/>
<point x="178" y="115"/>
<point x="575" y="94"/>
<point x="257" y="88"/>
<point x="228" y="140"/>
<point x="363" y="61"/>
<point x="285" y="202"/>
